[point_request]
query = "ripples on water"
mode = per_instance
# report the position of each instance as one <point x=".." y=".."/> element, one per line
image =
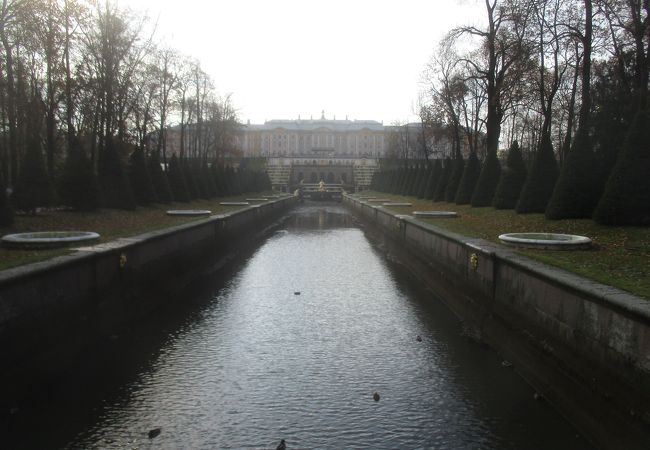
<point x="258" y="363"/>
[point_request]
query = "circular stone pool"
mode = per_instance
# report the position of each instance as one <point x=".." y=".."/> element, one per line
<point x="548" y="241"/>
<point x="397" y="204"/>
<point x="189" y="212"/>
<point x="48" y="239"/>
<point x="436" y="214"/>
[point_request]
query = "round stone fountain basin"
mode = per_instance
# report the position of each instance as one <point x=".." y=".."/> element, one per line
<point x="48" y="239"/>
<point x="435" y="214"/>
<point x="547" y="241"/>
<point x="189" y="212"/>
<point x="397" y="204"/>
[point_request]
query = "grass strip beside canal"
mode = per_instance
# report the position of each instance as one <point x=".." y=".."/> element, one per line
<point x="620" y="255"/>
<point x="109" y="223"/>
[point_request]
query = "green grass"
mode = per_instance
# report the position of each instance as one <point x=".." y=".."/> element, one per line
<point x="109" y="223"/>
<point x="620" y="256"/>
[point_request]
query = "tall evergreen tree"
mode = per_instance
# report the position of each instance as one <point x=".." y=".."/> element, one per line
<point x="626" y="200"/>
<point x="577" y="189"/>
<point x="424" y="182"/>
<point x="399" y="181"/>
<point x="114" y="182"/>
<point x="140" y="180"/>
<point x="468" y="180"/>
<point x="441" y="184"/>
<point x="190" y="180"/>
<point x="540" y="180"/>
<point x="159" y="179"/>
<point x="177" y="180"/>
<point x="33" y="188"/>
<point x="79" y="187"/>
<point x="512" y="179"/>
<point x="6" y="210"/>
<point x="487" y="181"/>
<point x="454" y="178"/>
<point x="208" y="180"/>
<point x="436" y="173"/>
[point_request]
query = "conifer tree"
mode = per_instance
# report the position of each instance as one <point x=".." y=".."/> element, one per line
<point x="577" y="189"/>
<point x="6" y="210"/>
<point x="79" y="187"/>
<point x="222" y="182"/>
<point x="177" y="180"/>
<point x="159" y="179"/>
<point x="190" y="180"/>
<point x="487" y="181"/>
<point x="441" y="184"/>
<point x="33" y="188"/>
<point x="468" y="180"/>
<point x="140" y="180"/>
<point x="540" y="180"/>
<point x="116" y="189"/>
<point x="424" y="182"/>
<point x="454" y="178"/>
<point x="436" y="173"/>
<point x="208" y="180"/>
<point x="626" y="199"/>
<point x="399" y="181"/>
<point x="512" y="180"/>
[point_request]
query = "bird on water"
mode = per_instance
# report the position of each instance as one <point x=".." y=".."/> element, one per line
<point x="375" y="396"/>
<point x="281" y="446"/>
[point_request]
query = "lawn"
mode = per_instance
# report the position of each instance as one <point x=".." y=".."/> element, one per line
<point x="109" y="223"/>
<point x="620" y="256"/>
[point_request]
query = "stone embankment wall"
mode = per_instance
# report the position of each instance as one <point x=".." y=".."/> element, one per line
<point x="583" y="345"/>
<point x="49" y="308"/>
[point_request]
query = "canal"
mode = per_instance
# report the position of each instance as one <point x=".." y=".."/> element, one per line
<point x="292" y="344"/>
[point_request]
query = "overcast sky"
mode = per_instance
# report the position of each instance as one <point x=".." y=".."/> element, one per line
<point x="285" y="58"/>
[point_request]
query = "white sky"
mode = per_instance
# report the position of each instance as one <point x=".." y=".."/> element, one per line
<point x="284" y="58"/>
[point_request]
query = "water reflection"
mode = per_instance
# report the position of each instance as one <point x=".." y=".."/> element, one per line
<point x="257" y="363"/>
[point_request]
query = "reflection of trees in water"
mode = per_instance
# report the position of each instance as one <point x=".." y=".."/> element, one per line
<point x="321" y="218"/>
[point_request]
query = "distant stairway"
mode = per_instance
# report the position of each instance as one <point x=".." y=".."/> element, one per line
<point x="279" y="176"/>
<point x="363" y="176"/>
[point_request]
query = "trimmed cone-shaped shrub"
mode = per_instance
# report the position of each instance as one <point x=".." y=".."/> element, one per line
<point x="208" y="181"/>
<point x="159" y="179"/>
<point x="540" y="181"/>
<point x="454" y="179"/>
<point x="113" y="180"/>
<point x="436" y="172"/>
<point x="231" y="182"/>
<point x="190" y="179"/>
<point x="267" y="181"/>
<point x="177" y="180"/>
<point x="399" y="179"/>
<point x="468" y="180"/>
<point x="578" y="188"/>
<point x="487" y="181"/>
<point x="6" y="210"/>
<point x="420" y="177"/>
<point x="33" y="188"/>
<point x="406" y="176"/>
<point x="79" y="187"/>
<point x="424" y="183"/>
<point x="626" y="199"/>
<point x="441" y="184"/>
<point x="512" y="180"/>
<point x="217" y="177"/>
<point x="140" y="180"/>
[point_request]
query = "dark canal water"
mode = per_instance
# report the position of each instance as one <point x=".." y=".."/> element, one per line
<point x="249" y="362"/>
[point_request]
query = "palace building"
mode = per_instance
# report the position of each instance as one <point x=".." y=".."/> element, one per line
<point x="335" y="151"/>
